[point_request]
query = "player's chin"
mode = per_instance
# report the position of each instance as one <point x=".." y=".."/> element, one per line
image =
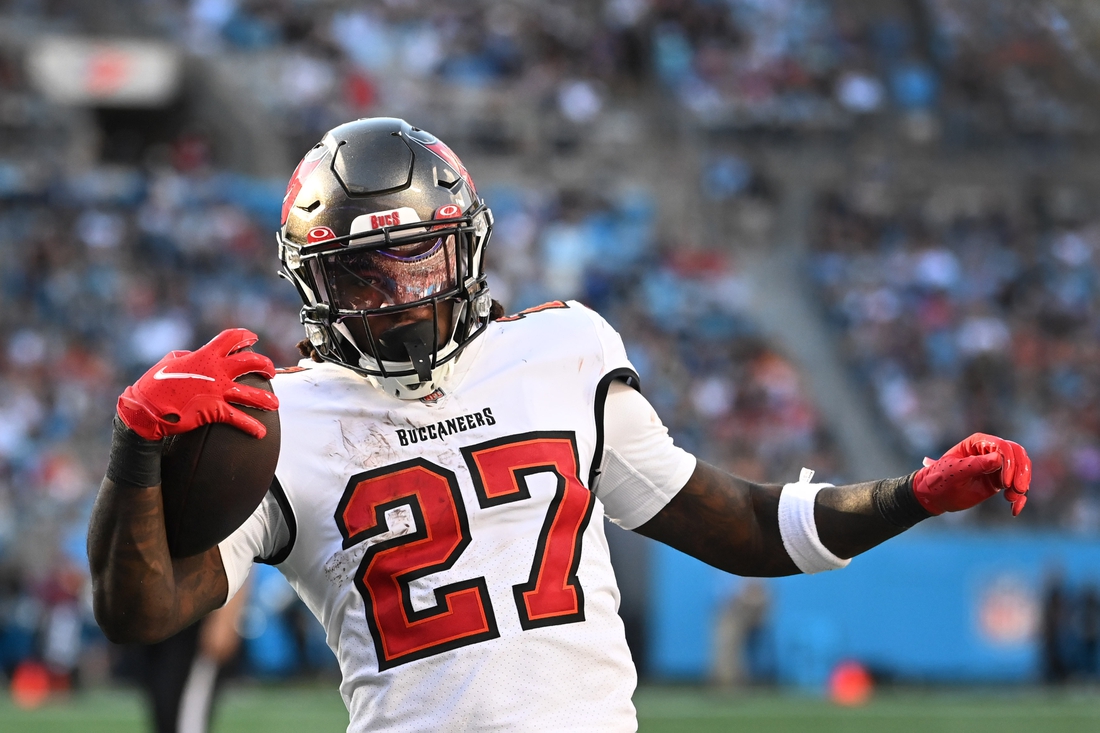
<point x="382" y="327"/>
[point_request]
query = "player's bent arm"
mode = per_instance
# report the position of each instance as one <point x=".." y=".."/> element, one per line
<point x="140" y="592"/>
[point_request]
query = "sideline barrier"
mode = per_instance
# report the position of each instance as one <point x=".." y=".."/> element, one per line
<point x="930" y="606"/>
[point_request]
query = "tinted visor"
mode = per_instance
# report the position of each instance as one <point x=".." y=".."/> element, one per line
<point x="365" y="279"/>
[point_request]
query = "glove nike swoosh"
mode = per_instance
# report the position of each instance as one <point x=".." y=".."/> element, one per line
<point x="162" y="374"/>
<point x="187" y="389"/>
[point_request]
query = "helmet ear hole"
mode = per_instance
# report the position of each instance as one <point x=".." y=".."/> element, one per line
<point x="448" y="179"/>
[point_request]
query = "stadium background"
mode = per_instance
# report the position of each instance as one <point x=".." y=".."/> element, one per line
<point x="837" y="234"/>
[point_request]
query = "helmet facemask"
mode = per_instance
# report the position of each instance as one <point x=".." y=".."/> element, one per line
<point x="398" y="303"/>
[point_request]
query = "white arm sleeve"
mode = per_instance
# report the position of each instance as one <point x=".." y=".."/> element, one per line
<point x="642" y="468"/>
<point x="261" y="536"/>
<point x="798" y="527"/>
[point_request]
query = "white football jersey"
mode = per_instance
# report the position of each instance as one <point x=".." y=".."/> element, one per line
<point x="451" y="546"/>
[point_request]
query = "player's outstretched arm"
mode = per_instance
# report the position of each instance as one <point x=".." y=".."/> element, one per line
<point x="739" y="526"/>
<point x="140" y="592"/>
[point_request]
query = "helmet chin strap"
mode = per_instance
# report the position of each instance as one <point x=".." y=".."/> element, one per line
<point x="418" y="341"/>
<point x="415" y="338"/>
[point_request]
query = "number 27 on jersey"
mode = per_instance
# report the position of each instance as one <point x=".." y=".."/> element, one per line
<point x="462" y="613"/>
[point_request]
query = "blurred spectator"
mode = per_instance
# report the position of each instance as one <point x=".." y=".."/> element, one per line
<point x="181" y="675"/>
<point x="739" y="633"/>
<point x="860" y="92"/>
<point x="1055" y="626"/>
<point x="1089" y="632"/>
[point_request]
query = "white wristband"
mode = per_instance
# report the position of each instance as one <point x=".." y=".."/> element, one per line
<point x="799" y="530"/>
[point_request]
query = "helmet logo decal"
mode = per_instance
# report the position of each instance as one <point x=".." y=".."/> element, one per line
<point x="379" y="219"/>
<point x="298" y="178"/>
<point x="452" y="160"/>
<point x="434" y="396"/>
<point x="319" y="234"/>
<point x="448" y="211"/>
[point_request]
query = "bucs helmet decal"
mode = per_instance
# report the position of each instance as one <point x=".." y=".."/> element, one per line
<point x="440" y="149"/>
<point x="301" y="174"/>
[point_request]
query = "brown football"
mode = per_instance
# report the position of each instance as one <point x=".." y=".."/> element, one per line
<point x="215" y="476"/>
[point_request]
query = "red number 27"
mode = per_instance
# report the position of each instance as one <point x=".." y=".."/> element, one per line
<point x="429" y="493"/>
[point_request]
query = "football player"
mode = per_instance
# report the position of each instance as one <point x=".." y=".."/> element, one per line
<point x="443" y="468"/>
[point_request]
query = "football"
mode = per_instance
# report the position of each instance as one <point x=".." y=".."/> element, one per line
<point x="215" y="476"/>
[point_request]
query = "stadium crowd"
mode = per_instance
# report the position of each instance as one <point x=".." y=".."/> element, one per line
<point x="967" y="70"/>
<point x="970" y="312"/>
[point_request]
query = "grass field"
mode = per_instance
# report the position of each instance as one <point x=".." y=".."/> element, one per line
<point x="281" y="709"/>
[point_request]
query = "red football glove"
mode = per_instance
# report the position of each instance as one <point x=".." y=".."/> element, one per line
<point x="973" y="471"/>
<point x="187" y="389"/>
